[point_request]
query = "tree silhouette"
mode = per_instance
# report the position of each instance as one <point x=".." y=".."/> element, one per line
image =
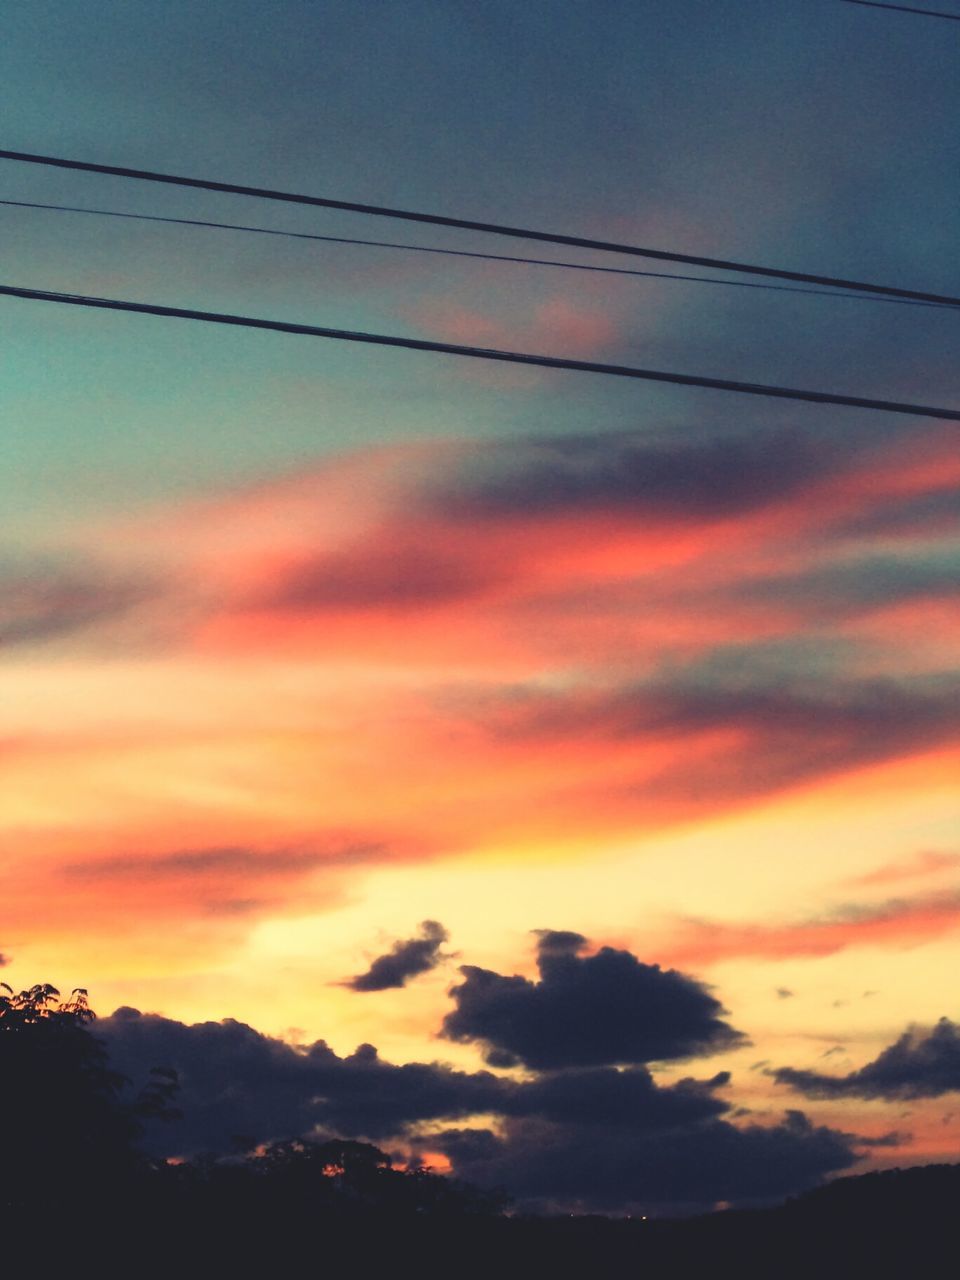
<point x="67" y="1131"/>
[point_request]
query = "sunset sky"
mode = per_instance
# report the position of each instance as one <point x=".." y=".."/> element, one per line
<point x="307" y="644"/>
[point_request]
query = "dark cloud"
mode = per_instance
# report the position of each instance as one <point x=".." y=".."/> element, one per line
<point x="916" y="516"/>
<point x="382" y="574"/>
<point x="856" y="586"/>
<point x="845" y="715"/>
<point x="234" y="880"/>
<point x="784" y="993"/>
<point x="920" y="1064"/>
<point x="4" y="960"/>
<point x="404" y="960"/>
<point x="791" y="730"/>
<point x="593" y="1010"/>
<point x="629" y="473"/>
<point x="47" y="602"/>
<point x="220" y="861"/>
<point x="580" y="1138"/>
<point x="584" y="1168"/>
<point x="223" y="880"/>
<point x="895" y="1138"/>
<point x="237" y="1081"/>
<point x="627" y="1099"/>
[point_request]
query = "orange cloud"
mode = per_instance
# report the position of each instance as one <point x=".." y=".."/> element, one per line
<point x="451" y="648"/>
<point x="511" y="556"/>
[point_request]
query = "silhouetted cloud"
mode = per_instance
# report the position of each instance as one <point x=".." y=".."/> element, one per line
<point x="586" y="1168"/>
<point x="404" y="960"/>
<point x="607" y="1008"/>
<point x="590" y="1128"/>
<point x="896" y="1138"/>
<point x="597" y="1138"/>
<point x="920" y="1064"/>
<point x="628" y="1099"/>
<point x="237" y="1081"/>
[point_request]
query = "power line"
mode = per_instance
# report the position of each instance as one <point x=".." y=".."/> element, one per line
<point x="493" y="228"/>
<point x="464" y="253"/>
<point x="905" y="8"/>
<point x="482" y="353"/>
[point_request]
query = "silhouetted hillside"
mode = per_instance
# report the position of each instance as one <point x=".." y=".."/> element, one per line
<point x="895" y="1224"/>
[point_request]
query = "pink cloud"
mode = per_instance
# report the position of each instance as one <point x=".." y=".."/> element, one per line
<point x="928" y="862"/>
<point x="556" y="326"/>
<point x="902" y="923"/>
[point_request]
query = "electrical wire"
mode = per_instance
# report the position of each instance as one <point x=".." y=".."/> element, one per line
<point x="905" y="8"/>
<point x="465" y="253"/>
<point x="434" y="219"/>
<point x="482" y="353"/>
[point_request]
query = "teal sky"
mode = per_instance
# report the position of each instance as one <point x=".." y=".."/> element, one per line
<point x="799" y="134"/>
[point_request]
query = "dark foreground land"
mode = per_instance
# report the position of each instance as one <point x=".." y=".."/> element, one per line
<point x="898" y="1223"/>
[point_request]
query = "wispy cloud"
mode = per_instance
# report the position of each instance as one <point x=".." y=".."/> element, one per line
<point x="567" y="639"/>
<point x="897" y="923"/>
<point x="927" y="863"/>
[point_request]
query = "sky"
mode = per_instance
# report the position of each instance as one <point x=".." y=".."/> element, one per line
<point x="588" y="747"/>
